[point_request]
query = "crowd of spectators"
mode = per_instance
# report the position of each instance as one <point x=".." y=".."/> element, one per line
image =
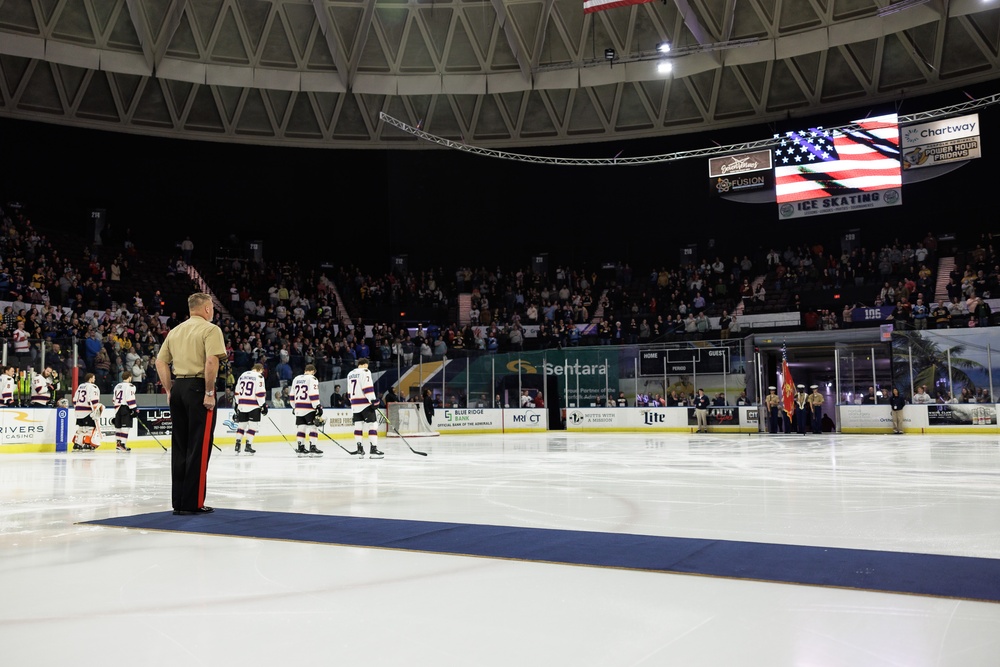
<point x="59" y="300"/>
<point x="286" y="315"/>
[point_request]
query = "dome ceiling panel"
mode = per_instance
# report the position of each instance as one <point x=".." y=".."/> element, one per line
<point x="306" y="72"/>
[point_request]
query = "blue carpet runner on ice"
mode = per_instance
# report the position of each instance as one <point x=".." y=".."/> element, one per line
<point x="885" y="571"/>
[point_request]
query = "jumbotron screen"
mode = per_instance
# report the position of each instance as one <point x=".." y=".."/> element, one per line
<point x="817" y="163"/>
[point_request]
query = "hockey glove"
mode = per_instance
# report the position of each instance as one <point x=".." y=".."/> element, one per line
<point x="263" y="409"/>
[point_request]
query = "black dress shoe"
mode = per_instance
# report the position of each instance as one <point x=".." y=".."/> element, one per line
<point x="200" y="510"/>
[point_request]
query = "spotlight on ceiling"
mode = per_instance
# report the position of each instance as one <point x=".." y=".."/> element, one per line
<point x="663" y="47"/>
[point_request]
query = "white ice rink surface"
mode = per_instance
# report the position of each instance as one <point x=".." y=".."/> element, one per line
<point x="88" y="595"/>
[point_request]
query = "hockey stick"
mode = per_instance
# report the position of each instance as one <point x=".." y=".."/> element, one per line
<point x="149" y="431"/>
<point x="280" y="432"/>
<point x="389" y="423"/>
<point x="335" y="442"/>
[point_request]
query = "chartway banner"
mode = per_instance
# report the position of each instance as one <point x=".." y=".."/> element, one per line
<point x="940" y="142"/>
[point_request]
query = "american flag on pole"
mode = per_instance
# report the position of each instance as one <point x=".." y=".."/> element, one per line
<point x="590" y="6"/>
<point x="821" y="163"/>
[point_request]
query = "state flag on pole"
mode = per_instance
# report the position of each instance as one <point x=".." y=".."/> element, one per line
<point x="787" y="388"/>
<point x="590" y="6"/>
<point x="817" y="163"/>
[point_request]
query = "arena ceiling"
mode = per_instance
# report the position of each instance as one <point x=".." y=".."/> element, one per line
<point x="493" y="73"/>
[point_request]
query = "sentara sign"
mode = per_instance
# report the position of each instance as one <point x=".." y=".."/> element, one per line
<point x="940" y="142"/>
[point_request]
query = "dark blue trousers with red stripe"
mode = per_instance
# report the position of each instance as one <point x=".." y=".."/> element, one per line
<point x="190" y="442"/>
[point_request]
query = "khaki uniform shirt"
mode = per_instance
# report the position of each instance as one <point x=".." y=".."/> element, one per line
<point x="773" y="401"/>
<point x="815" y="399"/>
<point x="189" y="344"/>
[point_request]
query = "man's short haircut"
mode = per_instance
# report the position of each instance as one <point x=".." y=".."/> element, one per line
<point x="310" y="367"/>
<point x="258" y="367"/>
<point x="197" y="300"/>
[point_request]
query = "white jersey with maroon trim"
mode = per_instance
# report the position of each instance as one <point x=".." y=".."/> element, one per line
<point x="249" y="391"/>
<point x="304" y="394"/>
<point x="41" y="389"/>
<point x="360" y="389"/>
<point x="124" y="394"/>
<point x="6" y="389"/>
<point x="21" y="342"/>
<point x="86" y="400"/>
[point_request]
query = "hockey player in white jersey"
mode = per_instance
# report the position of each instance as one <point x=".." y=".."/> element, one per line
<point x="125" y="410"/>
<point x="7" y="387"/>
<point x="87" y="409"/>
<point x="361" y="389"/>
<point x="41" y="389"/>
<point x="250" y="397"/>
<point x="306" y="407"/>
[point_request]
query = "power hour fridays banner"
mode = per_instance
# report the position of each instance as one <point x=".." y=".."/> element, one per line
<point x="940" y="142"/>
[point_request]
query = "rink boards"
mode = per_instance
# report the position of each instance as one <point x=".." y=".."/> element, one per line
<point x="50" y="429"/>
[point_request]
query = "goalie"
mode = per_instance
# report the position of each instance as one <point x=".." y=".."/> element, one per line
<point x="124" y="402"/>
<point x="87" y="409"/>
<point x="361" y="390"/>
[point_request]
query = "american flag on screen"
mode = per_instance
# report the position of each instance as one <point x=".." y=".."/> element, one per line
<point x="590" y="6"/>
<point x="820" y="163"/>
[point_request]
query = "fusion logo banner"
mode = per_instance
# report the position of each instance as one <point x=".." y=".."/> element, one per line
<point x="743" y="172"/>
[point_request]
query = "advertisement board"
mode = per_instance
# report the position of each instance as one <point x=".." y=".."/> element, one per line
<point x="961" y="414"/>
<point x="525" y="420"/>
<point x="743" y="172"/>
<point x="472" y="420"/>
<point x="664" y="420"/>
<point x="941" y="142"/>
<point x="934" y="418"/>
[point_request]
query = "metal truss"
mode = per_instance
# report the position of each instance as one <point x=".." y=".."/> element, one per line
<point x="943" y="112"/>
